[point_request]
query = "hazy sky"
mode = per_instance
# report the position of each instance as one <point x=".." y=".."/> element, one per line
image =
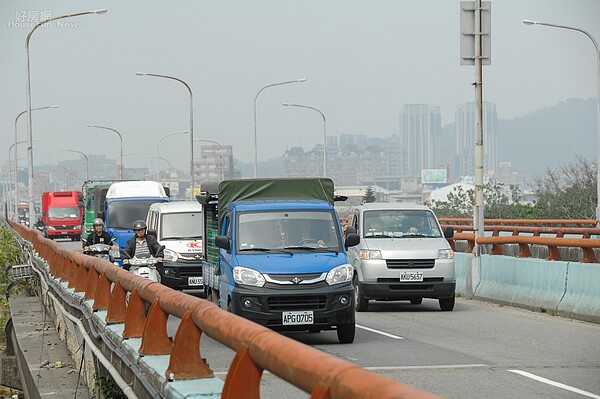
<point x="363" y="60"/>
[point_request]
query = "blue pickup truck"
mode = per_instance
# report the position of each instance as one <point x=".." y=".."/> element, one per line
<point x="275" y="254"/>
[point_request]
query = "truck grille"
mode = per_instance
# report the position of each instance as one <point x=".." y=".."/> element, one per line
<point x="410" y="263"/>
<point x="287" y="303"/>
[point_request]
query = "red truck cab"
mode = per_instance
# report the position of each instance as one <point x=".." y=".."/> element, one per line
<point x="61" y="214"/>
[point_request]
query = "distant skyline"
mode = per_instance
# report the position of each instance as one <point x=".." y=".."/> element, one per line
<point x="363" y="61"/>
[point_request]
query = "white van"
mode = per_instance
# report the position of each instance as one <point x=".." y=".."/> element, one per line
<point x="402" y="255"/>
<point x="178" y="226"/>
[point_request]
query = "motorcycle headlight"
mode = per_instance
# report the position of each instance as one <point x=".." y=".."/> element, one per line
<point x="340" y="274"/>
<point x="245" y="276"/>
<point x="445" y="254"/>
<point x="171" y="255"/>
<point x="374" y="254"/>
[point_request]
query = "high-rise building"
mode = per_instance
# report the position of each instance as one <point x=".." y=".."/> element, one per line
<point x="420" y="138"/>
<point x="464" y="164"/>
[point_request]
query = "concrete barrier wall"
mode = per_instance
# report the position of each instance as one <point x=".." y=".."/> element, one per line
<point x="568" y="289"/>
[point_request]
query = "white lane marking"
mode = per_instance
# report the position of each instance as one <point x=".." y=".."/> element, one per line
<point x="556" y="384"/>
<point x="379" y="332"/>
<point x="434" y="367"/>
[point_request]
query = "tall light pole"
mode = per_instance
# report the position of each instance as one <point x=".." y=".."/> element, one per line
<point x="28" y="96"/>
<point x="15" y="142"/>
<point x="255" y="98"/>
<point x="220" y="149"/>
<point x="121" y="141"/>
<point x="87" y="162"/>
<point x="530" y="22"/>
<point x="189" y="89"/>
<point x="158" y="151"/>
<point x="15" y="199"/>
<point x="324" y="132"/>
<point x="158" y="159"/>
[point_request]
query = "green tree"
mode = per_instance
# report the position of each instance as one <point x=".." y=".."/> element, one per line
<point x="369" y="195"/>
<point x="569" y="192"/>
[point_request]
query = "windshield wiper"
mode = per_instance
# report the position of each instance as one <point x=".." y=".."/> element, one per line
<point x="259" y="249"/>
<point x="182" y="238"/>
<point x="301" y="247"/>
<point x="378" y="236"/>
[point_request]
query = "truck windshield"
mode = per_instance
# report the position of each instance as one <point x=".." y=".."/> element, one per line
<point x="300" y="230"/>
<point x="400" y="223"/>
<point x="63" y="212"/>
<point x="181" y="226"/>
<point x="122" y="214"/>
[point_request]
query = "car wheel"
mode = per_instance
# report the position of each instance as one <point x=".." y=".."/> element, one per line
<point x="416" y="301"/>
<point x="361" y="303"/>
<point x="345" y="333"/>
<point x="447" y="304"/>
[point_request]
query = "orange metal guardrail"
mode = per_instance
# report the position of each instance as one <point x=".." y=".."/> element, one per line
<point x="587" y="245"/>
<point x="522" y="222"/>
<point x="257" y="348"/>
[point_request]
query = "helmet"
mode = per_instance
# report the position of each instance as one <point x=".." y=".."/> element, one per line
<point x="98" y="222"/>
<point x="139" y="224"/>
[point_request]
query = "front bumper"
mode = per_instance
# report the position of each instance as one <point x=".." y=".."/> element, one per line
<point x="181" y="275"/>
<point x="428" y="288"/>
<point x="269" y="303"/>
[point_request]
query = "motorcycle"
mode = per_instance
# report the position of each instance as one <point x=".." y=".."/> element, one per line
<point x="104" y="251"/>
<point x="145" y="267"/>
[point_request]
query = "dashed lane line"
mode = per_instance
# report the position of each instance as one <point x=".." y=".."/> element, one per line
<point x="556" y="384"/>
<point x="379" y="332"/>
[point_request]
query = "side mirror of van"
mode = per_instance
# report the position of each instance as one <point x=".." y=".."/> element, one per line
<point x="152" y="232"/>
<point x="223" y="242"/>
<point x="352" y="239"/>
<point x="449" y="232"/>
<point x="350" y="230"/>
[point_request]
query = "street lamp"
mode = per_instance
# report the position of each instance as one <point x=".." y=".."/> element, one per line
<point x="530" y="22"/>
<point x="255" y="98"/>
<point x="16" y="200"/>
<point x="28" y="95"/>
<point x="15" y="141"/>
<point x="189" y="89"/>
<point x="158" y="154"/>
<point x="324" y="133"/>
<point x="87" y="162"/>
<point x="158" y="159"/>
<point x="121" y="141"/>
<point x="221" y="150"/>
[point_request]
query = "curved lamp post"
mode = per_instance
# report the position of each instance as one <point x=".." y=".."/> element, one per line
<point x="220" y="148"/>
<point x="121" y="141"/>
<point x="28" y="96"/>
<point x="16" y="200"/>
<point x="158" y="159"/>
<point x="530" y="22"/>
<point x="189" y="89"/>
<point x="324" y="132"/>
<point x="255" y="98"/>
<point x="87" y="162"/>
<point x="15" y="142"/>
<point x="158" y="151"/>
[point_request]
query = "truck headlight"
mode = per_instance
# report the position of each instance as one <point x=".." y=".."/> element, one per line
<point x="50" y="228"/>
<point x="245" y="276"/>
<point x="171" y="255"/>
<point x="339" y="274"/>
<point x="373" y="254"/>
<point x="445" y="254"/>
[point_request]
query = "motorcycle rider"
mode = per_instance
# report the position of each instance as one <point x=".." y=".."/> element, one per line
<point x="141" y="244"/>
<point x="98" y="236"/>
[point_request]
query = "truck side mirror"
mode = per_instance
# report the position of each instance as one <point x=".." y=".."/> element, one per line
<point x="349" y="230"/>
<point x="449" y="232"/>
<point x="352" y="239"/>
<point x="152" y="232"/>
<point x="100" y="215"/>
<point x="223" y="242"/>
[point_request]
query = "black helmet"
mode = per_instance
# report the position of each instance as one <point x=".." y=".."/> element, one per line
<point x="98" y="222"/>
<point x="139" y="224"/>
